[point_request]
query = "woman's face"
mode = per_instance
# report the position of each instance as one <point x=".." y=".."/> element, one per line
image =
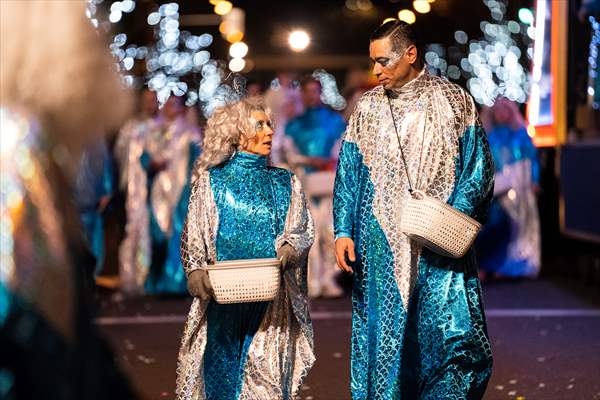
<point x="260" y="143"/>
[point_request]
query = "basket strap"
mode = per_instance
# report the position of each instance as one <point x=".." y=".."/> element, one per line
<point x="410" y="187"/>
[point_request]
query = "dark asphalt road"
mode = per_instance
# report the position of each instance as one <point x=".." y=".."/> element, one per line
<point x="545" y="337"/>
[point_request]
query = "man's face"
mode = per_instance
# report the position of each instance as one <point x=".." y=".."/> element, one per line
<point x="261" y="142"/>
<point x="391" y="67"/>
<point x="311" y="94"/>
<point x="149" y="105"/>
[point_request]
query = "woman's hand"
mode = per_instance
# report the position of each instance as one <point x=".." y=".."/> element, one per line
<point x="199" y="284"/>
<point x="344" y="248"/>
<point x="288" y="256"/>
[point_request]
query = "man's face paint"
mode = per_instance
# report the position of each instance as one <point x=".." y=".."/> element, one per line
<point x="392" y="67"/>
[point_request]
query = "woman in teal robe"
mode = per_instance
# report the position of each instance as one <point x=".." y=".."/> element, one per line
<point x="241" y="208"/>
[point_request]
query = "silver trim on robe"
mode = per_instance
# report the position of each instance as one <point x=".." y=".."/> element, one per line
<point x="431" y="115"/>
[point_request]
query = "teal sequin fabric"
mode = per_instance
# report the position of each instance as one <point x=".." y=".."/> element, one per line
<point x="418" y="328"/>
<point x="244" y="209"/>
<point x="249" y="222"/>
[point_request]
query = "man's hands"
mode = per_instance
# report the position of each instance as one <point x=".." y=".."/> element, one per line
<point x="344" y="247"/>
<point x="288" y="256"/>
<point x="199" y="284"/>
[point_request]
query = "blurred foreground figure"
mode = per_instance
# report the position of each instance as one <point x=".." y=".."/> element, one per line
<point x="52" y="103"/>
<point x="418" y="328"/>
<point x="509" y="244"/>
<point x="241" y="208"/>
<point x="312" y="144"/>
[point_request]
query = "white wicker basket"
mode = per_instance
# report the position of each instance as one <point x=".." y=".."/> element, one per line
<point x="243" y="281"/>
<point x="438" y="226"/>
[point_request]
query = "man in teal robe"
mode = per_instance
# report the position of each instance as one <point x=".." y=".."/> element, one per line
<point x="418" y="328"/>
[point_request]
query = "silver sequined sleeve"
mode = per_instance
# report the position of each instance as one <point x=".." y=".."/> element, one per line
<point x="197" y="237"/>
<point x="299" y="229"/>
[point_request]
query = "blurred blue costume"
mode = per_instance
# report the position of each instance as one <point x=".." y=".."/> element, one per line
<point x="316" y="132"/>
<point x="509" y="243"/>
<point x="243" y="209"/>
<point x="95" y="180"/>
<point x="418" y="327"/>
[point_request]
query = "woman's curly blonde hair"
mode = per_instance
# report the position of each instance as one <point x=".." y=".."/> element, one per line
<point x="228" y="131"/>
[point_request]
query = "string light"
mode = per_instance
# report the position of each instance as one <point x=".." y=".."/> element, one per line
<point x="407" y="16"/>
<point x="422" y="6"/>
<point x="493" y="64"/>
<point x="223" y="7"/>
<point x="298" y="40"/>
<point x="238" y="50"/>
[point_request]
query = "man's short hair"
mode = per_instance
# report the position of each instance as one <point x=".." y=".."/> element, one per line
<point x="401" y="35"/>
<point x="307" y="80"/>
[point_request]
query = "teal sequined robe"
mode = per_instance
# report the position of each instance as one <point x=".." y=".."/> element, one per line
<point x="244" y="209"/>
<point x="419" y="330"/>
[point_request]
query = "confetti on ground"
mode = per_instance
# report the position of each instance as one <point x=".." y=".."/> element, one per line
<point x="499" y="387"/>
<point x="337" y="355"/>
<point x="164" y="394"/>
<point x="146" y="360"/>
<point x="542" y="385"/>
<point x="512" y="393"/>
<point x="305" y="387"/>
<point x="541" y="359"/>
<point x="513" y="381"/>
<point x="520" y="398"/>
<point x="570" y="386"/>
<point x="129" y="345"/>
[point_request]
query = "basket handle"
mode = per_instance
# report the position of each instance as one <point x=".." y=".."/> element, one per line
<point x="418" y="194"/>
<point x="410" y="186"/>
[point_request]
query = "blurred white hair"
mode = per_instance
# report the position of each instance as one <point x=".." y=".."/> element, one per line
<point x="228" y="129"/>
<point x="57" y="67"/>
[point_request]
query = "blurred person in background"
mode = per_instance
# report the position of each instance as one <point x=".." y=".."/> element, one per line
<point x="167" y="159"/>
<point x="509" y="244"/>
<point x="253" y="88"/>
<point x="242" y="208"/>
<point x="52" y="103"/>
<point x="312" y="143"/>
<point x="283" y="99"/>
<point x="144" y="120"/>
<point x="94" y="188"/>
<point x="134" y="250"/>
